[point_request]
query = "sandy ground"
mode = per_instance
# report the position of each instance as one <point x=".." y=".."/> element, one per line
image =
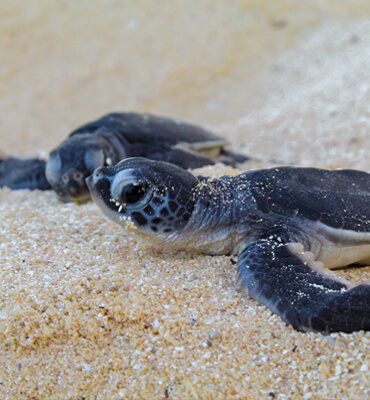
<point x="89" y="311"/>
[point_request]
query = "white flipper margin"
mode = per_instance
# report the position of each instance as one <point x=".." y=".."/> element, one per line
<point x="308" y="259"/>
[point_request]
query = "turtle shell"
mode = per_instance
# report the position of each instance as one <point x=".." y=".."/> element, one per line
<point x="339" y="199"/>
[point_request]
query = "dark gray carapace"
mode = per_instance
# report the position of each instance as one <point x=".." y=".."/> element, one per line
<point x="107" y="141"/>
<point x="288" y="226"/>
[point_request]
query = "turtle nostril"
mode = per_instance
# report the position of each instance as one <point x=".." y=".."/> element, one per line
<point x="72" y="175"/>
<point x="99" y="172"/>
<point x="65" y="178"/>
<point x="77" y="176"/>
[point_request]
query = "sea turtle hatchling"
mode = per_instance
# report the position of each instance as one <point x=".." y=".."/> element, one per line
<point x="109" y="140"/>
<point x="285" y="224"/>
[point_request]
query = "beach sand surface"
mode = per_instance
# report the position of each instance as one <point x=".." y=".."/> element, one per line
<point x="89" y="311"/>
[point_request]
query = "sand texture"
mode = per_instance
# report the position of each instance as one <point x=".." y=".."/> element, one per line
<point x="89" y="311"/>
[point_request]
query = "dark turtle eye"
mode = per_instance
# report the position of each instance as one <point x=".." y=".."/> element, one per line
<point x="132" y="194"/>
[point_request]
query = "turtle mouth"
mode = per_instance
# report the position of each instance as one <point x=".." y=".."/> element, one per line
<point x="72" y="192"/>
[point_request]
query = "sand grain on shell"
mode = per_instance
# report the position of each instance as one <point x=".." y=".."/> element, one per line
<point x="87" y="310"/>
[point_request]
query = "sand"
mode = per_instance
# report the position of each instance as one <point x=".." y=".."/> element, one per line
<point x="89" y="311"/>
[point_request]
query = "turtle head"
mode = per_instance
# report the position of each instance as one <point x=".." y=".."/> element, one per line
<point x="153" y="198"/>
<point x="73" y="161"/>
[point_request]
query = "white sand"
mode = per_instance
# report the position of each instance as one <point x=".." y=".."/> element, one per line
<point x="89" y="311"/>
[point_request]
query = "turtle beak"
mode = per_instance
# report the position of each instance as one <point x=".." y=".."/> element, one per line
<point x="99" y="185"/>
<point x="72" y="187"/>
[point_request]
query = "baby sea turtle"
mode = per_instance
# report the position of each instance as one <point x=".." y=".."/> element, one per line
<point x="285" y="224"/>
<point x="109" y="140"/>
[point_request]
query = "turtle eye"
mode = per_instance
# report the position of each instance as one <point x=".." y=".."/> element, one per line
<point x="134" y="194"/>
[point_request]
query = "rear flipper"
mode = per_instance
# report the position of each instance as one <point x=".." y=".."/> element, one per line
<point x="189" y="158"/>
<point x="18" y="173"/>
<point x="230" y="158"/>
<point x="183" y="158"/>
<point x="302" y="293"/>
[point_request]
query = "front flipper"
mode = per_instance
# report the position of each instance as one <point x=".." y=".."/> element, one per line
<point x="303" y="293"/>
<point x="28" y="173"/>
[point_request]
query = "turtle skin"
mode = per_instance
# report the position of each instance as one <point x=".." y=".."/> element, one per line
<point x="287" y="225"/>
<point x="108" y="140"/>
<point x="29" y="173"/>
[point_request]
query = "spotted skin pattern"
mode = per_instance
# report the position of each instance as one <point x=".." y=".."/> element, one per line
<point x="287" y="225"/>
<point x="163" y="210"/>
